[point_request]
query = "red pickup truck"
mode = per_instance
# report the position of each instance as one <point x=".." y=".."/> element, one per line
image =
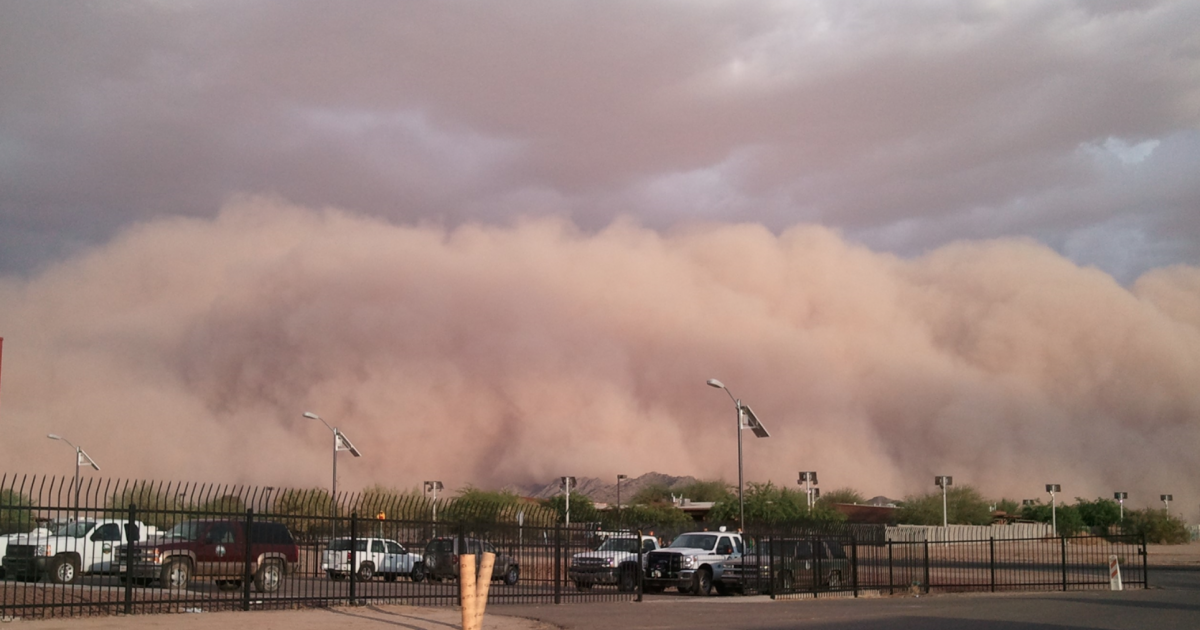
<point x="213" y="549"/>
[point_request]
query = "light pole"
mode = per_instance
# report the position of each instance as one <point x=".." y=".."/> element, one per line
<point x="80" y="458"/>
<point x="565" y="483"/>
<point x="745" y="420"/>
<point x="433" y="487"/>
<point x="1053" y="488"/>
<point x="619" y="478"/>
<point x="1120" y="497"/>
<point x="340" y="443"/>
<point x="1166" y="499"/>
<point x="943" y="482"/>
<point x="808" y="480"/>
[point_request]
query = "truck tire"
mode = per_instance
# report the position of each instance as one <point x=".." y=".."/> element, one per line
<point x="366" y="571"/>
<point x="786" y="581"/>
<point x="835" y="580"/>
<point x="269" y="576"/>
<point x="512" y="575"/>
<point x="627" y="580"/>
<point x="176" y="574"/>
<point x="418" y="572"/>
<point x="702" y="582"/>
<point x="64" y="569"/>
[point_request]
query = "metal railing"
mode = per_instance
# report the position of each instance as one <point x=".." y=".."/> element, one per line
<point x="69" y="559"/>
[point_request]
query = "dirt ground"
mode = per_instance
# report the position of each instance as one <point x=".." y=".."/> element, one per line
<point x="347" y="618"/>
<point x="1174" y="555"/>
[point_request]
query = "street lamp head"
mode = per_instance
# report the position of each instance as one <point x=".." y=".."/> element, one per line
<point x="712" y="382"/>
<point x="312" y="416"/>
<point x="54" y="437"/>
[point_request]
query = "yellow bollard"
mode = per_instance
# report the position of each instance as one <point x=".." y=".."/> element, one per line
<point x="482" y="585"/>
<point x="466" y="589"/>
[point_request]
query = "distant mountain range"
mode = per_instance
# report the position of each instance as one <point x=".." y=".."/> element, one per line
<point x="600" y="491"/>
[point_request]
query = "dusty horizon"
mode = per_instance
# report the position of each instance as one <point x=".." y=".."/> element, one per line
<point x="188" y="348"/>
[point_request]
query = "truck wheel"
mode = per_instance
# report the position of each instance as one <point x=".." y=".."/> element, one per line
<point x="512" y="575"/>
<point x="627" y="580"/>
<point x="702" y="582"/>
<point x="176" y="574"/>
<point x="418" y="573"/>
<point x="786" y="582"/>
<point x="268" y="576"/>
<point x="64" y="570"/>
<point x="835" y="580"/>
<point x="366" y="571"/>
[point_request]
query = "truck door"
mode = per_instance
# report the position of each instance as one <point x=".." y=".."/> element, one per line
<point x="97" y="556"/>
<point x="218" y="551"/>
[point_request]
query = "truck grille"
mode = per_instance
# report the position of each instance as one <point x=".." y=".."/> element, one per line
<point x="139" y="555"/>
<point x="663" y="563"/>
<point x="20" y="551"/>
<point x="591" y="562"/>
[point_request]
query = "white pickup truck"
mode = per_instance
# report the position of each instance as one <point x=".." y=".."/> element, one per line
<point x="372" y="556"/>
<point x="693" y="563"/>
<point x="81" y="547"/>
<point x="613" y="562"/>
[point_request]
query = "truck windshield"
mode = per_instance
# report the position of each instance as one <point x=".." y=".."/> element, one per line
<point x="343" y="544"/>
<point x="626" y="545"/>
<point x="76" y="530"/>
<point x="187" y="530"/>
<point x="695" y="541"/>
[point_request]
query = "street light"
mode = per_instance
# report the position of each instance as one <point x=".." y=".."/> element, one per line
<point x="619" y="478"/>
<point x="943" y="482"/>
<point x="1053" y="488"/>
<point x="433" y="487"/>
<point x="565" y="483"/>
<point x="1120" y="497"/>
<point x="808" y="479"/>
<point x="745" y="420"/>
<point x="1166" y="499"/>
<point x="80" y="458"/>
<point x="340" y="443"/>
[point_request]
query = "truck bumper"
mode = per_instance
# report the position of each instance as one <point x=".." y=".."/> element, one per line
<point x="596" y="575"/>
<point x="142" y="570"/>
<point x="25" y="566"/>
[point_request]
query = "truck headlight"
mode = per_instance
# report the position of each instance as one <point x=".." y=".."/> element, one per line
<point x="688" y="562"/>
<point x="574" y="562"/>
<point x="610" y="561"/>
<point x="43" y="550"/>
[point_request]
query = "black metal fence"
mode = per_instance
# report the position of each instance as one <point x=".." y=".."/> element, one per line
<point x="814" y="561"/>
<point x="70" y="557"/>
<point x="66" y="552"/>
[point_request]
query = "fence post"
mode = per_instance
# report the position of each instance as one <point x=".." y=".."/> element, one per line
<point x="558" y="563"/>
<point x="771" y="563"/>
<point x="1145" y="572"/>
<point x="1063" y="540"/>
<point x="992" y="560"/>
<point x="129" y="527"/>
<point x="639" y="565"/>
<point x="354" y="556"/>
<point x="891" y="581"/>
<point x="926" y="566"/>
<point x="462" y="551"/>
<point x="854" y="563"/>
<point x="247" y="560"/>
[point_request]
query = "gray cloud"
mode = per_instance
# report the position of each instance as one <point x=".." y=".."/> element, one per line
<point x="907" y="126"/>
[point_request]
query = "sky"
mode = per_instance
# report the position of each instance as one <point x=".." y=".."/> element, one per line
<point x="500" y="242"/>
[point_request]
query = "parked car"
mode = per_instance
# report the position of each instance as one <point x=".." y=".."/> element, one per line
<point x="441" y="560"/>
<point x="372" y="556"/>
<point x="215" y="549"/>
<point x="69" y="550"/>
<point x="799" y="564"/>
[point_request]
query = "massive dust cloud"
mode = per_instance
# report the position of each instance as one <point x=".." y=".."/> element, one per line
<point x="187" y="349"/>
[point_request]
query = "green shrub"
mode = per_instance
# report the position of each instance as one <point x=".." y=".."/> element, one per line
<point x="1158" y="526"/>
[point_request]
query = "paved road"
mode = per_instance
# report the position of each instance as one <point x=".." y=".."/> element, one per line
<point x="1172" y="603"/>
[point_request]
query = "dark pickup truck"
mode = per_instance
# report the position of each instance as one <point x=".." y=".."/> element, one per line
<point x="799" y="564"/>
<point x="214" y="549"/>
